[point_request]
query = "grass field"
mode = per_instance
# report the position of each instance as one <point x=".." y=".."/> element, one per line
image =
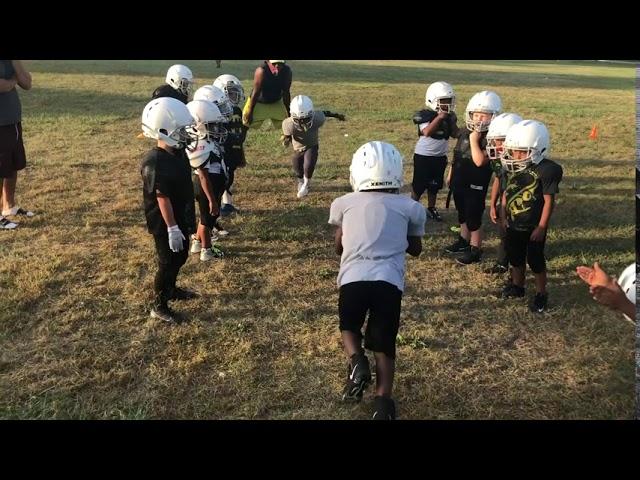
<point x="76" y="340"/>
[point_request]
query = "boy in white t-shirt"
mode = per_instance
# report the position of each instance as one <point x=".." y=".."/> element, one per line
<point x="376" y="226"/>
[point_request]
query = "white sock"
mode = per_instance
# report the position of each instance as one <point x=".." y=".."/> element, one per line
<point x="306" y="181"/>
<point x="226" y="198"/>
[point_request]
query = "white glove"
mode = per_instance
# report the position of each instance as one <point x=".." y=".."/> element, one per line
<point x="175" y="238"/>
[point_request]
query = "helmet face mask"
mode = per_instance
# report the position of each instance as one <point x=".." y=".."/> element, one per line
<point x="180" y="78"/>
<point x="216" y="132"/>
<point x="301" y="109"/>
<point x="477" y="124"/>
<point x="446" y="104"/>
<point x="234" y="93"/>
<point x="494" y="151"/>
<point x="184" y="137"/>
<point x="186" y="86"/>
<point x="514" y="161"/>
<point x="232" y="87"/>
<point x="210" y="122"/>
<point x="304" y="123"/>
<point x="440" y="97"/>
<point x="225" y="107"/>
<point x="527" y="143"/>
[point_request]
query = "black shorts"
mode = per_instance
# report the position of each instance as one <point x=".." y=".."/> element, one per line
<point x="382" y="300"/>
<point x="428" y="173"/>
<point x="233" y="158"/>
<point x="470" y="206"/>
<point x="217" y="182"/>
<point x="12" y="154"/>
<point x="519" y="247"/>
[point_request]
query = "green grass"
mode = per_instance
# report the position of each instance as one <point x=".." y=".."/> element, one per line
<point x="263" y="342"/>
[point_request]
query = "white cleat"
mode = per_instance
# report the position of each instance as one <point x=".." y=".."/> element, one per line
<point x="196" y="245"/>
<point x="303" y="191"/>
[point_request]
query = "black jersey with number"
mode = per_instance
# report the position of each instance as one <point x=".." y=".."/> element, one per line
<point x="168" y="174"/>
<point x="525" y="193"/>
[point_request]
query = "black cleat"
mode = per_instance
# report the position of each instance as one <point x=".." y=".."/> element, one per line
<point x="358" y="377"/>
<point x="460" y="245"/>
<point x="384" y="408"/>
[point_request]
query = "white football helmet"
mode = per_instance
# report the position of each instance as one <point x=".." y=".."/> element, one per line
<point x="302" y="112"/>
<point x="217" y="96"/>
<point x="627" y="282"/>
<point x="438" y="91"/>
<point x="376" y="166"/>
<point x="169" y="120"/>
<point x="230" y="85"/>
<point x="498" y="131"/>
<point x="208" y="121"/>
<point x="485" y="101"/>
<point x="528" y="135"/>
<point x="180" y="78"/>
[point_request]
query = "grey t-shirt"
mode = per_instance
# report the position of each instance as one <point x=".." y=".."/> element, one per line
<point x="375" y="226"/>
<point x="10" y="108"/>
<point x="302" y="140"/>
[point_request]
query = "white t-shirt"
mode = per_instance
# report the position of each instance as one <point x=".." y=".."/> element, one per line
<point x="375" y="226"/>
<point x="431" y="147"/>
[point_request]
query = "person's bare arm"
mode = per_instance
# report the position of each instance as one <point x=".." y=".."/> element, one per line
<point x="434" y="124"/>
<point x="23" y="77"/>
<point x="7" y="85"/>
<point x="495" y="193"/>
<point x="207" y="188"/>
<point x="166" y="209"/>
<point x="503" y="211"/>
<point x="258" y="77"/>
<point x="478" y="155"/>
<point x="415" y="246"/>
<point x="338" y="240"/>
<point x="538" y="233"/>
<point x="286" y="92"/>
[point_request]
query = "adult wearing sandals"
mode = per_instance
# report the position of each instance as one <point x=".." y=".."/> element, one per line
<point x="12" y="154"/>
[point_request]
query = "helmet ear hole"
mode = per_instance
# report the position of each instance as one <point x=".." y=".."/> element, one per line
<point x="163" y="131"/>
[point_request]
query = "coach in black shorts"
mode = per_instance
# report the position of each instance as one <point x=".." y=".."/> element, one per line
<point x="12" y="154"/>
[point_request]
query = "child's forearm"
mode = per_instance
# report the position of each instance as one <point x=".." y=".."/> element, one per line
<point x="478" y="155"/>
<point x="166" y="210"/>
<point x="503" y="206"/>
<point x="546" y="211"/>
<point x="205" y="183"/>
<point x="338" y="240"/>
<point x="7" y="85"/>
<point x="495" y="192"/>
